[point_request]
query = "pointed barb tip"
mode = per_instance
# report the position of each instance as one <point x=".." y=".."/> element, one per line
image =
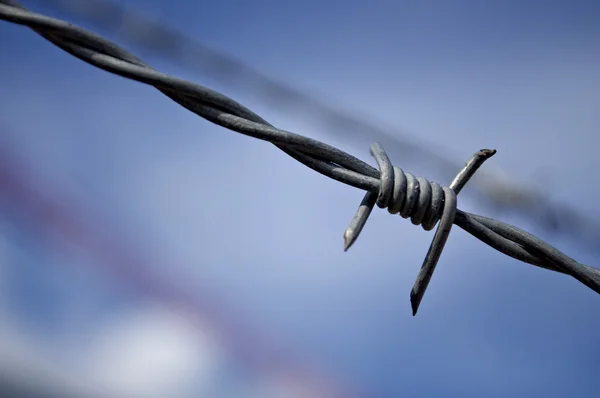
<point x="414" y="303"/>
<point x="349" y="239"/>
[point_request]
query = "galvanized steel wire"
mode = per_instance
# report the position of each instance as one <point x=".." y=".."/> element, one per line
<point x="502" y="192"/>
<point x="425" y="202"/>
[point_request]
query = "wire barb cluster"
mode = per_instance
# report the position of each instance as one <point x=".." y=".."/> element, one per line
<point x="426" y="203"/>
<point x="423" y="201"/>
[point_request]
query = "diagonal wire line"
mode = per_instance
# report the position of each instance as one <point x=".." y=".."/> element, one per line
<point x="492" y="186"/>
<point x="425" y="203"/>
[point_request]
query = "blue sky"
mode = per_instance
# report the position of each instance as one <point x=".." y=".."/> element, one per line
<point x="264" y="233"/>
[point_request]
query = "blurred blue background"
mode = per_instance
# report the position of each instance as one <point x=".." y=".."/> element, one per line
<point x="148" y="253"/>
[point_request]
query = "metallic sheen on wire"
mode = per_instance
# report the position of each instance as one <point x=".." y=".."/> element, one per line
<point x="323" y="158"/>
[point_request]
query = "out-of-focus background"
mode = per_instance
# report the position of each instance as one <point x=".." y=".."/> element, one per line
<point x="145" y="252"/>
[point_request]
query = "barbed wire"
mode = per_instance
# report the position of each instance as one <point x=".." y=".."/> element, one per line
<point x="425" y="203"/>
<point x="493" y="187"/>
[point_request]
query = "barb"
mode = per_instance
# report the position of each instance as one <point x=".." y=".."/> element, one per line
<point x="384" y="184"/>
<point x="424" y="202"/>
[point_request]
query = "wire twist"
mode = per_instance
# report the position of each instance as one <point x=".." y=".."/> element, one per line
<point x="420" y="200"/>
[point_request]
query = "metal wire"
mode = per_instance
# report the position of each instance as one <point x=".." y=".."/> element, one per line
<point x="500" y="191"/>
<point x="384" y="186"/>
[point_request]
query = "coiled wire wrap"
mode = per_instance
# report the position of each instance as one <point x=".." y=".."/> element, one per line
<point x="413" y="197"/>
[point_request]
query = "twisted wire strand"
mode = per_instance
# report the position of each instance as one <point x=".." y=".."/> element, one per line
<point x="497" y="189"/>
<point x="384" y="187"/>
